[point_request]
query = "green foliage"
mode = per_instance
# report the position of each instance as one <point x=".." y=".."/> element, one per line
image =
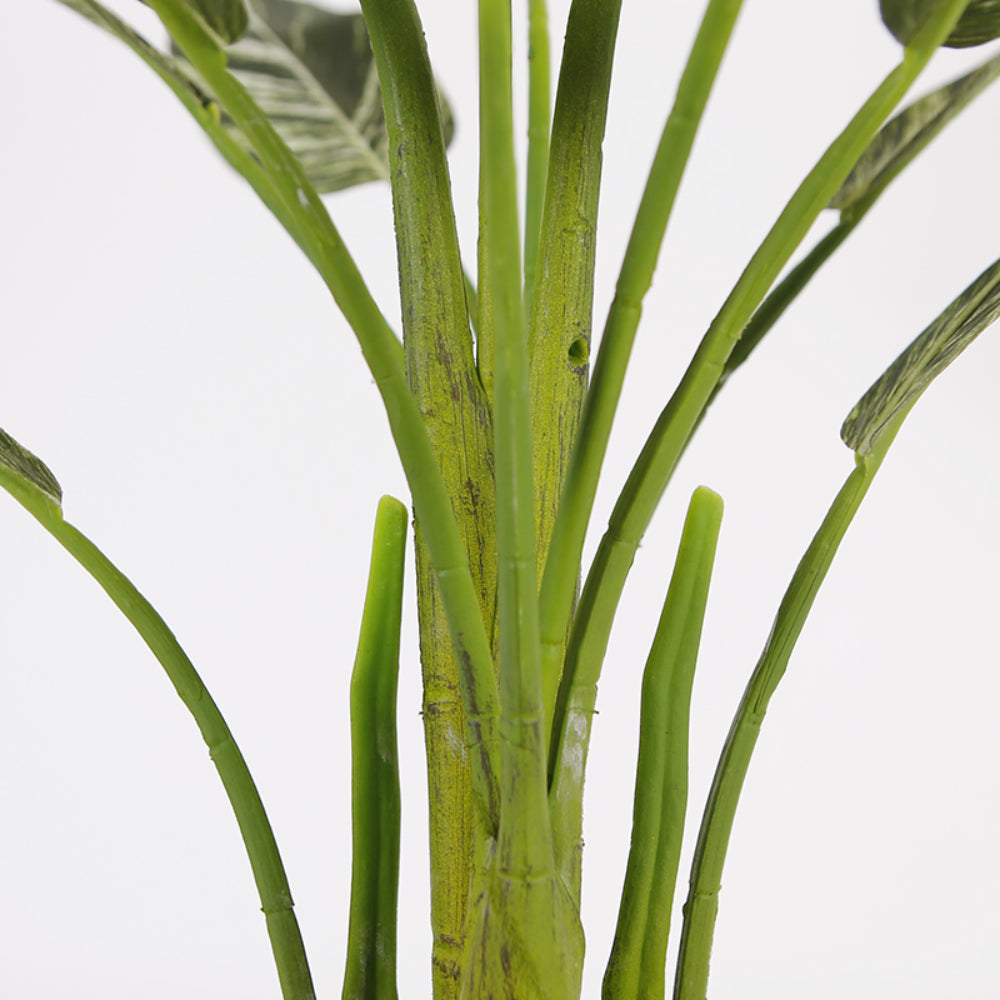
<point x="502" y="440"/>
<point x="926" y="358"/>
<point x="228" y="19"/>
<point x="980" y="23"/>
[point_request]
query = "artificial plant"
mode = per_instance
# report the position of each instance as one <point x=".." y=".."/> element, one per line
<point x="501" y="427"/>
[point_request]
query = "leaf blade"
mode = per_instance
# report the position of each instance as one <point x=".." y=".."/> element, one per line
<point x="926" y="357"/>
<point x="899" y="141"/>
<point x="331" y="121"/>
<point x="27" y="477"/>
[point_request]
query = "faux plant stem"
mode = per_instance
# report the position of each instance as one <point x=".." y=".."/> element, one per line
<point x="375" y="807"/>
<point x="560" y="578"/>
<point x="713" y="840"/>
<point x="443" y="378"/>
<point x="382" y="353"/>
<point x="524" y="939"/>
<point x="636" y="967"/>
<point x="653" y="468"/>
<point x="539" y="115"/>
<point x="33" y="486"/>
<point x="562" y="304"/>
<point x="203" y="108"/>
<point x="898" y="143"/>
<point x="262" y="850"/>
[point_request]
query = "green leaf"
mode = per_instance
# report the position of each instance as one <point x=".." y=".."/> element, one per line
<point x="313" y="74"/>
<point x="905" y="135"/>
<point x="907" y="377"/>
<point x="31" y="483"/>
<point x="979" y="24"/>
<point x="26" y="476"/>
<point x="227" y="18"/>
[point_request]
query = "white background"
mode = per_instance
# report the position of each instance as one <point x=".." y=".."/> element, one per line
<point x="169" y="353"/>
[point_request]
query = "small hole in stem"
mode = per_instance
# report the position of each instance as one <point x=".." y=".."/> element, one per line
<point x="579" y="351"/>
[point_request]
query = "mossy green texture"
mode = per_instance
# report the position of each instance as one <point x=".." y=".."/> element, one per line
<point x="444" y="380"/>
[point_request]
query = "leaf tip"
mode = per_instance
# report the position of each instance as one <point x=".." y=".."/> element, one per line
<point x="27" y="471"/>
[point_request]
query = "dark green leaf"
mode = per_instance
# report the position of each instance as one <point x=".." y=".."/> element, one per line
<point x="904" y="136"/>
<point x="227" y="18"/>
<point x="907" y="377"/>
<point x="979" y="24"/>
<point x="21" y="472"/>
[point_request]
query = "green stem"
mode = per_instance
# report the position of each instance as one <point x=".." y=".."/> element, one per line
<point x="375" y="809"/>
<point x="382" y="353"/>
<point x="713" y="840"/>
<point x="636" y="967"/>
<point x="523" y="936"/>
<point x="659" y="456"/>
<point x="560" y="579"/>
<point x="455" y="410"/>
<point x="202" y="107"/>
<point x="522" y="749"/>
<point x="539" y="116"/>
<point x="255" y="829"/>
<point x="561" y="307"/>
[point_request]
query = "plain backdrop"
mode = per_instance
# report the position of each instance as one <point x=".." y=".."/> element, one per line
<point x="169" y="353"/>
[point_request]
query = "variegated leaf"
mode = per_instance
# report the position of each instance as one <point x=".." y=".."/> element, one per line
<point x="907" y="377"/>
<point x="328" y="110"/>
<point x="227" y="18"/>
<point x="313" y="74"/>
<point x="905" y="135"/>
<point x="22" y="472"/>
<point x="980" y="22"/>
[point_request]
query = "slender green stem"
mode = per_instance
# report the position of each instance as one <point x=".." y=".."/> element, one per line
<point x="382" y="353"/>
<point x="653" y="468"/>
<point x="375" y="808"/>
<point x="636" y="967"/>
<point x="559" y="581"/>
<point x="713" y="840"/>
<point x="523" y="936"/>
<point x="522" y="752"/>
<point x="561" y="308"/>
<point x="906" y="149"/>
<point x="433" y="284"/>
<point x="255" y="829"/>
<point x="203" y="108"/>
<point x="539" y="117"/>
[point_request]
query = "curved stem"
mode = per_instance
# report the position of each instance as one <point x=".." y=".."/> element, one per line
<point x="666" y="442"/>
<point x="562" y="565"/>
<point x="382" y="353"/>
<point x="255" y="829"/>
<point x="713" y="839"/>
